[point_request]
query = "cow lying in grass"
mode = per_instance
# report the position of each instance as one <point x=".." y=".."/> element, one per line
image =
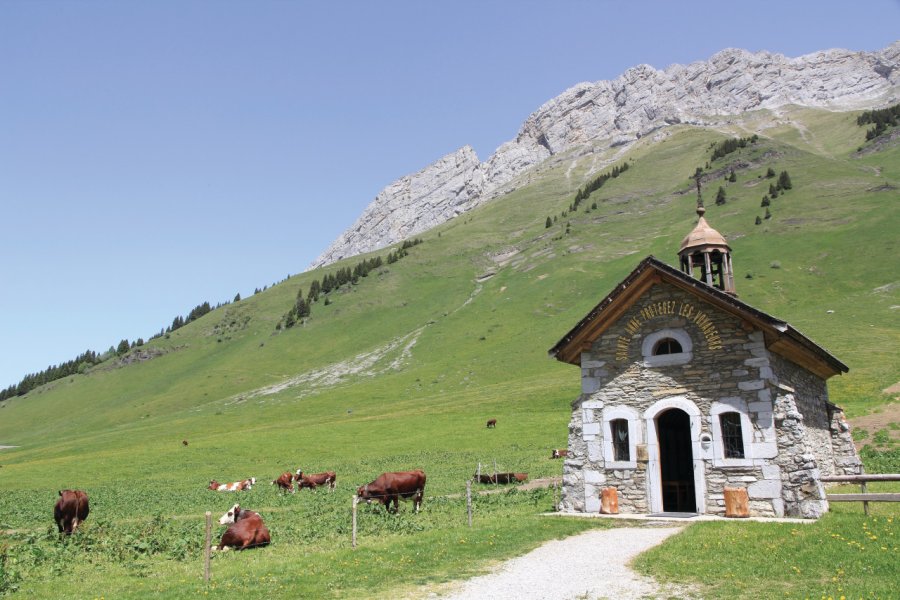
<point x="390" y="487"/>
<point x="237" y="486"/>
<point x="500" y="477"/>
<point x="245" y="530"/>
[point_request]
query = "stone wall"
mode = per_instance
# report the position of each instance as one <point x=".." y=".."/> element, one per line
<point x="802" y="490"/>
<point x="846" y="458"/>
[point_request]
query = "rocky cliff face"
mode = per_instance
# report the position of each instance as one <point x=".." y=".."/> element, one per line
<point x="641" y="100"/>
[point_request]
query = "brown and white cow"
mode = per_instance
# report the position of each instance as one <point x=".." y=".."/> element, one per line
<point x="71" y="509"/>
<point x="285" y="482"/>
<point x="315" y="480"/>
<point x="559" y="453"/>
<point x="245" y="530"/>
<point x="236" y="486"/>
<point x="393" y="486"/>
<point x="491" y="423"/>
<point x="500" y="477"/>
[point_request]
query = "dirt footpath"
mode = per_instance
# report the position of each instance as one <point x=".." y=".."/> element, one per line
<point x="590" y="566"/>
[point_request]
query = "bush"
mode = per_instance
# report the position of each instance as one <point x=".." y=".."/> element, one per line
<point x="880" y="461"/>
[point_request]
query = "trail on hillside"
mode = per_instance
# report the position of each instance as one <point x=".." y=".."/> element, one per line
<point x="391" y="356"/>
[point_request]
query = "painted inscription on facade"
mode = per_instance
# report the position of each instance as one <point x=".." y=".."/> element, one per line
<point x="668" y="308"/>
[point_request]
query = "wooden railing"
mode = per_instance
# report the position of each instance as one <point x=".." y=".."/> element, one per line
<point x="863" y="496"/>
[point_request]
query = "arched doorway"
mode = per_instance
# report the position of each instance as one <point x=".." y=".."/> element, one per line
<point x="676" y="461"/>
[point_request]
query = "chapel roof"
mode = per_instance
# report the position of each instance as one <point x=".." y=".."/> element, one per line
<point x="780" y="337"/>
<point x="703" y="235"/>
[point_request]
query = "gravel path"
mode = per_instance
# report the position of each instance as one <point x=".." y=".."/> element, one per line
<point x="590" y="565"/>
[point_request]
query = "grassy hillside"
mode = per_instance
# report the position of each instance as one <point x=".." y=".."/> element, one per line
<point x="403" y="369"/>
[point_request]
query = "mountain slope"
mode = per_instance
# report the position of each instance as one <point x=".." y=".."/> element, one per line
<point x="591" y="117"/>
<point x="474" y="309"/>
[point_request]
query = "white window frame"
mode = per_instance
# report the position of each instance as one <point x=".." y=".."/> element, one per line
<point x="635" y="436"/>
<point x="739" y="406"/>
<point x="667" y="360"/>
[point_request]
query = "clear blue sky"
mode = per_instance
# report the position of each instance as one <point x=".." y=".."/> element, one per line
<point x="155" y="155"/>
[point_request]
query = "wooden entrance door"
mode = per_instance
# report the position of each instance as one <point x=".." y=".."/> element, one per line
<point x="676" y="461"/>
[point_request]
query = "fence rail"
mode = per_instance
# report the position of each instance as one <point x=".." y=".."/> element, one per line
<point x="864" y="496"/>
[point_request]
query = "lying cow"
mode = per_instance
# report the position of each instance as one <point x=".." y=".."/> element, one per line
<point x="393" y="486"/>
<point x="557" y="453"/>
<point x="237" y="486"/>
<point x="71" y="509"/>
<point x="245" y="530"/>
<point x="285" y="482"/>
<point x="501" y="478"/>
<point x="315" y="480"/>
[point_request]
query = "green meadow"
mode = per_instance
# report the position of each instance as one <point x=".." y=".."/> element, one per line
<point x="402" y="370"/>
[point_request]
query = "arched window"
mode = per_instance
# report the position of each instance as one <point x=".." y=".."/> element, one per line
<point x="732" y="435"/>
<point x="620" y="443"/>
<point x="667" y="346"/>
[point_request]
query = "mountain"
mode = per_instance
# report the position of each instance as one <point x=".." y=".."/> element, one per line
<point x="604" y="114"/>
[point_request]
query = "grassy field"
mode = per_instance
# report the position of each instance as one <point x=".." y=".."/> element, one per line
<point x="402" y="370"/>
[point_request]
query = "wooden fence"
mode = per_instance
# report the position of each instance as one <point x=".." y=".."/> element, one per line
<point x="863" y="496"/>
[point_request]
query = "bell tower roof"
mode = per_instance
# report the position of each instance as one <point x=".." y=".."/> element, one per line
<point x="705" y="255"/>
<point x="702" y="236"/>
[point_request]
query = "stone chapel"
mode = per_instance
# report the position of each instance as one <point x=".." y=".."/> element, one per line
<point x="686" y="390"/>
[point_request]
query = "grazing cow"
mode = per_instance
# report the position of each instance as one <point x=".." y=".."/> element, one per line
<point x="245" y="530"/>
<point x="285" y="482"/>
<point x="393" y="486"/>
<point x="491" y="423"/>
<point x="315" y="480"/>
<point x="500" y="477"/>
<point x="557" y="453"/>
<point x="244" y="484"/>
<point x="71" y="509"/>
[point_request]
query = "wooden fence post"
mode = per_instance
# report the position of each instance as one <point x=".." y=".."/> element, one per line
<point x="206" y="547"/>
<point x="495" y="471"/>
<point x="355" y="502"/>
<point x="469" y="500"/>
<point x="864" y="489"/>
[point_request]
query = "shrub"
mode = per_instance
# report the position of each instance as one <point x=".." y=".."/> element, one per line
<point x="720" y="196"/>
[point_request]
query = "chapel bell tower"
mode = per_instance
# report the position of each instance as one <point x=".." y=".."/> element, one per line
<point x="705" y="255"/>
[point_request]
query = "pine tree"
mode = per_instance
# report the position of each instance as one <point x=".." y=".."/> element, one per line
<point x="768" y="214"/>
<point x="732" y="178"/>
<point x="548" y="223"/>
<point x="765" y="202"/>
<point x="770" y="173"/>
<point x="123" y="347"/>
<point x="720" y="196"/>
<point x="784" y="181"/>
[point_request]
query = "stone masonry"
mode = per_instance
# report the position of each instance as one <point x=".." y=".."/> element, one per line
<point x="794" y="436"/>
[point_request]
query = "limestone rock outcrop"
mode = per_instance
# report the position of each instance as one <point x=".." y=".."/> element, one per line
<point x="618" y="112"/>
